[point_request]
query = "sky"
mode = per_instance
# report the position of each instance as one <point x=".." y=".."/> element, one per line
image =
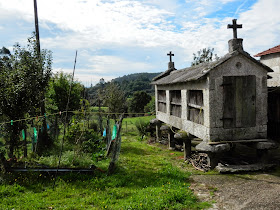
<point x="120" y="37"/>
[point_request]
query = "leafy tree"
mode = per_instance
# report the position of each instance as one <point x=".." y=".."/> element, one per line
<point x="150" y="107"/>
<point x="57" y="95"/>
<point x="24" y="76"/>
<point x="114" y="99"/>
<point x="58" y="92"/>
<point x="204" y="55"/>
<point x="139" y="101"/>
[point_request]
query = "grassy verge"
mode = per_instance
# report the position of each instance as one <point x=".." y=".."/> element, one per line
<point x="145" y="179"/>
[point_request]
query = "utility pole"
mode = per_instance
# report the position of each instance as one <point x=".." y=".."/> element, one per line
<point x="43" y="139"/>
<point x="37" y="27"/>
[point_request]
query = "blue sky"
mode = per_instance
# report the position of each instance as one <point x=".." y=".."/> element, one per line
<point x="120" y="37"/>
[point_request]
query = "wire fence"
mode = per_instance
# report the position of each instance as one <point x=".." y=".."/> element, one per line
<point x="78" y="123"/>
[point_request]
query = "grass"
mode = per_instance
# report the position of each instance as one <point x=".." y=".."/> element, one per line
<point x="146" y="178"/>
<point x="128" y="126"/>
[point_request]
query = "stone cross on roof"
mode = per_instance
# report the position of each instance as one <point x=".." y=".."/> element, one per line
<point x="234" y="26"/>
<point x="170" y="55"/>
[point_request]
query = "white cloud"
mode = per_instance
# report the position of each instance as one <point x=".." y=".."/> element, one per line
<point x="85" y="76"/>
<point x="115" y="65"/>
<point x="261" y="26"/>
<point x="149" y="26"/>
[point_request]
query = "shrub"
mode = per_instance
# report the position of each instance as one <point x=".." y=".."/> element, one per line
<point x="74" y="132"/>
<point x="93" y="125"/>
<point x="92" y="142"/>
<point x="142" y="127"/>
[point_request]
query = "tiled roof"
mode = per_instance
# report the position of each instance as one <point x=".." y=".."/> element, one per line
<point x="197" y="72"/>
<point x="275" y="49"/>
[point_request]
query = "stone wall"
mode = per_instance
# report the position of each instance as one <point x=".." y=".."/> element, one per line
<point x="201" y="131"/>
<point x="237" y="66"/>
<point x="272" y="61"/>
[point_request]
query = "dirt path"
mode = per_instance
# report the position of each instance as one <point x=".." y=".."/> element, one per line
<point x="259" y="191"/>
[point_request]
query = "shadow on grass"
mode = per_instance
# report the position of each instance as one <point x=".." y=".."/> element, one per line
<point x="133" y="150"/>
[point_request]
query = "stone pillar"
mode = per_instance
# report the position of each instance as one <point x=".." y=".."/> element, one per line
<point x="235" y="44"/>
<point x="171" y="142"/>
<point x="187" y="142"/>
<point x="262" y="155"/>
<point x="171" y="65"/>
<point x="262" y="150"/>
<point x="155" y="122"/>
<point x="170" y="134"/>
<point x="187" y="145"/>
<point x="158" y="133"/>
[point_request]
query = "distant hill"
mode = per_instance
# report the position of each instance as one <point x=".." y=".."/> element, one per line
<point x="136" y="82"/>
<point x="136" y="76"/>
<point x="129" y="84"/>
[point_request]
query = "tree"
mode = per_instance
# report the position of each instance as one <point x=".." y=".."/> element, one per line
<point x="24" y="76"/>
<point x="57" y="95"/>
<point x="151" y="106"/>
<point x="139" y="101"/>
<point x="58" y="92"/>
<point x="204" y="55"/>
<point x="114" y="99"/>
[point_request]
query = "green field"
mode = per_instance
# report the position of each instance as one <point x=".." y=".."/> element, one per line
<point x="146" y="178"/>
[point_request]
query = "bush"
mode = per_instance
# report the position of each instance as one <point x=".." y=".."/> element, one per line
<point x="89" y="140"/>
<point x="93" y="125"/>
<point x="73" y="132"/>
<point x="92" y="142"/>
<point x="142" y="127"/>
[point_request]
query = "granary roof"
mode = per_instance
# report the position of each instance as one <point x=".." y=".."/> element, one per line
<point x="275" y="49"/>
<point x="197" y="72"/>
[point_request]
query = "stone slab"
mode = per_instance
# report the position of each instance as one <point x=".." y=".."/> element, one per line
<point x="181" y="135"/>
<point x="155" y="121"/>
<point x="265" y="145"/>
<point x="205" y="147"/>
<point x="164" y="128"/>
<point x="243" y="168"/>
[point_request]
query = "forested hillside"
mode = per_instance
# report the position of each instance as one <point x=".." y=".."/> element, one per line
<point x="128" y="83"/>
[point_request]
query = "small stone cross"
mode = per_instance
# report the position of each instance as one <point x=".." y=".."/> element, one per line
<point x="170" y="55"/>
<point x="234" y="26"/>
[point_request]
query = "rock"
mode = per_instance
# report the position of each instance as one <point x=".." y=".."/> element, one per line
<point x="205" y="147"/>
